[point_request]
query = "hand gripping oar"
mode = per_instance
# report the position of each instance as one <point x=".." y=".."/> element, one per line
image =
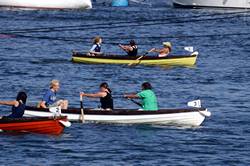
<point x="82" y="112"/>
<point x="138" y="59"/>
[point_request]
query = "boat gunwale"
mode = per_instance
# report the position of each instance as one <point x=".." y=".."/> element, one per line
<point x="124" y="57"/>
<point x="89" y="111"/>
<point x="31" y="119"/>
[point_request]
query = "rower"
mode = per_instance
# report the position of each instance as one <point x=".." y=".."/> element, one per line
<point x="50" y="100"/>
<point x="96" y="48"/>
<point x="148" y="97"/>
<point x="163" y="52"/>
<point x="130" y="49"/>
<point x="104" y="94"/>
<point x="18" y="106"/>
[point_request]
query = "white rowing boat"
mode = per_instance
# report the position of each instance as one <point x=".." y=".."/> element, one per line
<point x="47" y="4"/>
<point x="190" y="116"/>
<point x="212" y="3"/>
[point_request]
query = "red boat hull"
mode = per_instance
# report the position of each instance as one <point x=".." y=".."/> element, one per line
<point x="39" y="125"/>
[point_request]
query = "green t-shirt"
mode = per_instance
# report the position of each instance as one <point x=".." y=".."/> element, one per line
<point x="149" y="101"/>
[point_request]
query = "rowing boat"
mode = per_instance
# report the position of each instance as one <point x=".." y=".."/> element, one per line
<point x="212" y="3"/>
<point x="181" y="117"/>
<point x="46" y="4"/>
<point x="40" y="125"/>
<point x="186" y="60"/>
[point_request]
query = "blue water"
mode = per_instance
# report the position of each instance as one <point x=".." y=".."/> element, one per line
<point x="221" y="79"/>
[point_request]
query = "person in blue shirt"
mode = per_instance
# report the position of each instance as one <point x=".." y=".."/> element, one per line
<point x="18" y="105"/>
<point x="50" y="99"/>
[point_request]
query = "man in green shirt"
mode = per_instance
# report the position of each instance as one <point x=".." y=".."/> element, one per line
<point x="149" y="100"/>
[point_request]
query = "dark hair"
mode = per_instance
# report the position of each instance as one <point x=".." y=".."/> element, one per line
<point x="132" y="43"/>
<point x="106" y="86"/>
<point x="21" y="96"/>
<point x="146" y="85"/>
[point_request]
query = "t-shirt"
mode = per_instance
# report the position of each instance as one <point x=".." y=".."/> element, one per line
<point x="149" y="101"/>
<point x="49" y="97"/>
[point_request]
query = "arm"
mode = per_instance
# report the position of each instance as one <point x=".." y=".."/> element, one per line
<point x="42" y="104"/>
<point x="156" y="50"/>
<point x="96" y="53"/>
<point x="126" y="48"/>
<point x="10" y="103"/>
<point x="132" y="96"/>
<point x="93" y="95"/>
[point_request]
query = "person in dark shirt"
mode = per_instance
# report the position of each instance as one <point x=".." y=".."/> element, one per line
<point x="18" y="105"/>
<point x="130" y="49"/>
<point x="105" y="96"/>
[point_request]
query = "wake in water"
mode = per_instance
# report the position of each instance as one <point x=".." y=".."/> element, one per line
<point x="144" y="2"/>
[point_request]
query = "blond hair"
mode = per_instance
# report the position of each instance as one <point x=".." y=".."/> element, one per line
<point x="97" y="39"/>
<point x="53" y="83"/>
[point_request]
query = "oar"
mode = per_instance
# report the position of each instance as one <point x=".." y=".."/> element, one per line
<point x="137" y="103"/>
<point x="82" y="113"/>
<point x="138" y="59"/>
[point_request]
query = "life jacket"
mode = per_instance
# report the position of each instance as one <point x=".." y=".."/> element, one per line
<point x="98" y="48"/>
<point x="134" y="51"/>
<point x="17" y="112"/>
<point x="107" y="101"/>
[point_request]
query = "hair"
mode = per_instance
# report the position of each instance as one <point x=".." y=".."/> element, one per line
<point x="53" y="82"/>
<point x="96" y="39"/>
<point x="132" y="43"/>
<point x="106" y="86"/>
<point x="21" y="96"/>
<point x="146" y="85"/>
<point x="170" y="49"/>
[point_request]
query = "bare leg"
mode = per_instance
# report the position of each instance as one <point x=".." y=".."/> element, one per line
<point x="64" y="104"/>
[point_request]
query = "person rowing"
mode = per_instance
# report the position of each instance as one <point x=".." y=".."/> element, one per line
<point x="18" y="106"/>
<point x="147" y="96"/>
<point x="96" y="48"/>
<point x="130" y="49"/>
<point x="50" y="99"/>
<point x="165" y="51"/>
<point x="105" y="96"/>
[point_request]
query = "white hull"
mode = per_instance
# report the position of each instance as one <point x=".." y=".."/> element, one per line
<point x="47" y="4"/>
<point x="213" y="3"/>
<point x="179" y="119"/>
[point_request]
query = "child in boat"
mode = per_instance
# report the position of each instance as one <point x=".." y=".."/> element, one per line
<point x="130" y="49"/>
<point x="49" y="99"/>
<point x="18" y="106"/>
<point x="148" y="97"/>
<point x="96" y="48"/>
<point x="105" y="96"/>
<point x="165" y="51"/>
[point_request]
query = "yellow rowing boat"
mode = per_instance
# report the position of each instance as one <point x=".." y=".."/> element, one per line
<point x="186" y="60"/>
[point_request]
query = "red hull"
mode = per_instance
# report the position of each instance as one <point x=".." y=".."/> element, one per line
<point x="46" y="125"/>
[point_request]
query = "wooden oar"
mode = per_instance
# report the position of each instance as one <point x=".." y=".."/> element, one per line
<point x="82" y="112"/>
<point x="137" y="103"/>
<point x="138" y="59"/>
